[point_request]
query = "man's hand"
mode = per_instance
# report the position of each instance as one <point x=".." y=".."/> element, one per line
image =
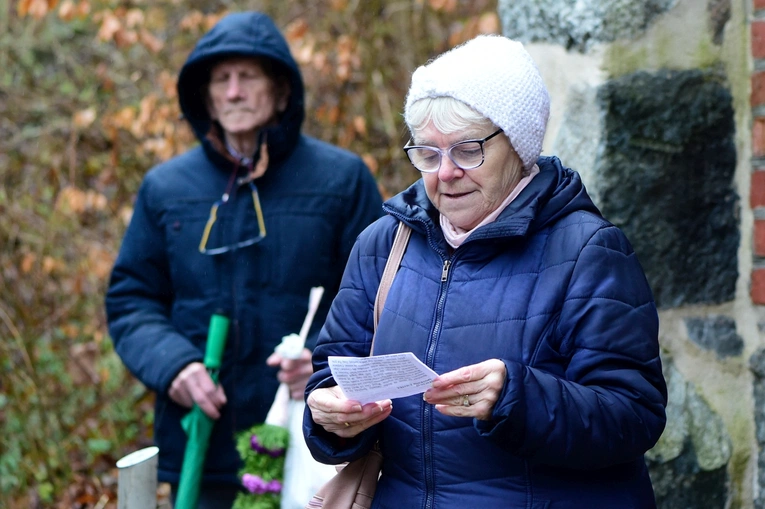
<point x="194" y="385"/>
<point x="294" y="372"/>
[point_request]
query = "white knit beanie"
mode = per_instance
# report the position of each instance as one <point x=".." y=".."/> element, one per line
<point x="497" y="78"/>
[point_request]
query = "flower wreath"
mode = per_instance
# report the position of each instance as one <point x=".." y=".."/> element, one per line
<point x="262" y="449"/>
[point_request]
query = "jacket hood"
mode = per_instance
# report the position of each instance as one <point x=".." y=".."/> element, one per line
<point x="555" y="192"/>
<point x="249" y="34"/>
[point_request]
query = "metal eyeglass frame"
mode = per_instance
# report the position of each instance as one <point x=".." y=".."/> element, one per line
<point x="448" y="152"/>
<point x="214" y="216"/>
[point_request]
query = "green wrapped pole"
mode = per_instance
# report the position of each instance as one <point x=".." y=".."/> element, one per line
<point x="197" y="424"/>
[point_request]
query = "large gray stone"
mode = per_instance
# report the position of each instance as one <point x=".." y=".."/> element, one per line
<point x="673" y="441"/>
<point x="579" y="137"/>
<point x="709" y="438"/>
<point x="681" y="484"/>
<point x="716" y="333"/>
<point x="689" y="464"/>
<point x="757" y="365"/>
<point x="665" y="176"/>
<point x="578" y="23"/>
<point x="719" y="15"/>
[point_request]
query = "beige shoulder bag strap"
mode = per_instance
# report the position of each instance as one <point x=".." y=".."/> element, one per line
<point x="355" y="484"/>
<point x="391" y="267"/>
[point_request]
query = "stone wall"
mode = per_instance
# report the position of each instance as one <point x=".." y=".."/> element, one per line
<point x="660" y="105"/>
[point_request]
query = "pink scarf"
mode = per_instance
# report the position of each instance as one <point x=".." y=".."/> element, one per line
<point x="456" y="236"/>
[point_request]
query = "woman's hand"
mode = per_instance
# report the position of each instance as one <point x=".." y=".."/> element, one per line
<point x="345" y="418"/>
<point x="470" y="391"/>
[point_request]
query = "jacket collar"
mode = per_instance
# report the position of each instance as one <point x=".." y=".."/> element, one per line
<point x="557" y="191"/>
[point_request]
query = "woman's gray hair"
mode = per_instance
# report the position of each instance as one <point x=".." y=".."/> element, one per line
<point x="496" y="77"/>
<point x="448" y="115"/>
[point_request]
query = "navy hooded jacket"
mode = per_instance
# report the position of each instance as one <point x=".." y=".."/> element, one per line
<point x="315" y="198"/>
<point x="554" y="291"/>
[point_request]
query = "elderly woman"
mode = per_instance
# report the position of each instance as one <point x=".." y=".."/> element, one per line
<point x="531" y="307"/>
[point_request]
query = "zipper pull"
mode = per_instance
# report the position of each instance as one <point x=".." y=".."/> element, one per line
<point x="445" y="271"/>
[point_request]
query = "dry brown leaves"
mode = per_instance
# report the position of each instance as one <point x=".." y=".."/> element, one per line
<point x="35" y="8"/>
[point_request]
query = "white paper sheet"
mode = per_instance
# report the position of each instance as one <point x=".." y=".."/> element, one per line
<point x="368" y="379"/>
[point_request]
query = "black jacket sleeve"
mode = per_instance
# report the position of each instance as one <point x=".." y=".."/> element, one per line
<point x="139" y="299"/>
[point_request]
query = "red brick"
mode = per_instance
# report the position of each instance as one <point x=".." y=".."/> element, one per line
<point x="758" y="39"/>
<point x="758" y="137"/>
<point x="758" y="88"/>
<point x="757" y="288"/>
<point x="759" y="237"/>
<point x="759" y="4"/>
<point x="757" y="189"/>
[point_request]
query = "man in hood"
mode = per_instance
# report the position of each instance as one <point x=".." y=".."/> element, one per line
<point x="247" y="222"/>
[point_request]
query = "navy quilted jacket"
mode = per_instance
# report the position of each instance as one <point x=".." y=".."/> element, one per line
<point x="553" y="290"/>
<point x="316" y="199"/>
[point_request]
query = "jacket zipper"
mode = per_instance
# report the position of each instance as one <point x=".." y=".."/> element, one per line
<point x="235" y="338"/>
<point x="428" y="409"/>
<point x="235" y="334"/>
<point x="445" y="271"/>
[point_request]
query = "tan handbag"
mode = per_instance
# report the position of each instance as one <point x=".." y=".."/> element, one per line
<point x="354" y="485"/>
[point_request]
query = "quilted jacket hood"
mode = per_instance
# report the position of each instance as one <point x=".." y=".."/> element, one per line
<point x="249" y="34"/>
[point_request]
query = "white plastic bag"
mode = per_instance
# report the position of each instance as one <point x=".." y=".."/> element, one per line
<point x="303" y="475"/>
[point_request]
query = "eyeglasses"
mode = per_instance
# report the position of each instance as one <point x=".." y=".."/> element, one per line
<point x="214" y="217"/>
<point x="467" y="155"/>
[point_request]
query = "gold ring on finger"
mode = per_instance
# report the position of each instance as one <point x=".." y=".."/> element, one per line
<point x="465" y="400"/>
<point x="346" y="424"/>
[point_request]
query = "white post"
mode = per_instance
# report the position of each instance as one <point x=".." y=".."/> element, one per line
<point x="138" y="480"/>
